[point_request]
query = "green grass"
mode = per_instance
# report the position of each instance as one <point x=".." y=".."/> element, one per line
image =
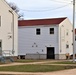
<point x="28" y="61"/>
<point x="35" y="68"/>
<point x="1" y="63"/>
<point x="63" y="62"/>
<point x="58" y="62"/>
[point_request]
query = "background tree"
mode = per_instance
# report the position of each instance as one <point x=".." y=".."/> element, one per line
<point x="16" y="9"/>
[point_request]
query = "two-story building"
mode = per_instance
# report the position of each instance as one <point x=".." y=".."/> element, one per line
<point x="8" y="30"/>
<point x="45" y="38"/>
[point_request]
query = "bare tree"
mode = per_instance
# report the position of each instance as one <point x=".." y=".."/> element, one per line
<point x="16" y="9"/>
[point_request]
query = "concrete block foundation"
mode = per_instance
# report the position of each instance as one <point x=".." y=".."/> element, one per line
<point x="41" y="56"/>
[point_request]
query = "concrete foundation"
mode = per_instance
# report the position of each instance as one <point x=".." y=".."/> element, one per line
<point x="35" y="56"/>
<point x="14" y="57"/>
<point x="41" y="56"/>
<point x="60" y="56"/>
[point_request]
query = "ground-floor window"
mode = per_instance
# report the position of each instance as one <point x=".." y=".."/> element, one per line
<point x="0" y="43"/>
<point x="0" y="47"/>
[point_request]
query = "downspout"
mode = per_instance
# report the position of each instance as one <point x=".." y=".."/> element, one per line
<point x="12" y="31"/>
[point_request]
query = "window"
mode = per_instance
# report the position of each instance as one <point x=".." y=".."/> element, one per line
<point x="51" y="30"/>
<point x="38" y="31"/>
<point x="67" y="46"/>
<point x="67" y="32"/>
<point x="0" y="44"/>
<point x="75" y="37"/>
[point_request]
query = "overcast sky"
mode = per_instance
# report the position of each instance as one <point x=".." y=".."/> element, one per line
<point x="35" y="9"/>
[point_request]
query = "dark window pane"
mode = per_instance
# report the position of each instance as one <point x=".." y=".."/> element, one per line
<point x="67" y="46"/>
<point x="0" y="44"/>
<point x="38" y="31"/>
<point x="75" y="38"/>
<point x="51" y="30"/>
<point x="67" y="33"/>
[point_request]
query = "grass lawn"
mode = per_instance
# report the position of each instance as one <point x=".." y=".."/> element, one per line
<point x="28" y="61"/>
<point x="62" y="62"/>
<point x="1" y="63"/>
<point x="35" y="68"/>
<point x="58" y="62"/>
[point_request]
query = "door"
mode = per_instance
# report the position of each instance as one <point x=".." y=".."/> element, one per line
<point x="0" y="47"/>
<point x="50" y="53"/>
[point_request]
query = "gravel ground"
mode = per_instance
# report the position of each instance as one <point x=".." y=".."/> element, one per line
<point x="64" y="72"/>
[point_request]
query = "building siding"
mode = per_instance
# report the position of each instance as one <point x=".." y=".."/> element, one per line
<point x="64" y="38"/>
<point x="6" y="28"/>
<point x="33" y="46"/>
<point x="30" y="43"/>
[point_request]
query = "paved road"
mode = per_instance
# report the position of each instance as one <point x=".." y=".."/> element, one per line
<point x="64" y="72"/>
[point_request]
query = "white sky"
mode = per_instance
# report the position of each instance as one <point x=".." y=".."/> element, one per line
<point x="35" y="9"/>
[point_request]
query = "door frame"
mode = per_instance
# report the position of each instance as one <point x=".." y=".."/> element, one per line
<point x="47" y="52"/>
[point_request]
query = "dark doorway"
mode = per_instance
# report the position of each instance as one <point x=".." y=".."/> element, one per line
<point x="0" y="47"/>
<point x="50" y="53"/>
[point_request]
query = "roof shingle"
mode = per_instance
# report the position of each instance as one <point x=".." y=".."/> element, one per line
<point x="52" y="21"/>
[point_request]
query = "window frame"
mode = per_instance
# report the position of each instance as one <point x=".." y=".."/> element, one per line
<point x="38" y="31"/>
<point x="0" y="44"/>
<point x="67" y="46"/>
<point x="0" y="21"/>
<point x="75" y="37"/>
<point x="51" y="30"/>
<point x="67" y="32"/>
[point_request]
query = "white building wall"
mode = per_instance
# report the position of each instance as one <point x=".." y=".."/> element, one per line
<point x="64" y="39"/>
<point x="16" y="35"/>
<point x="6" y="27"/>
<point x="28" y="40"/>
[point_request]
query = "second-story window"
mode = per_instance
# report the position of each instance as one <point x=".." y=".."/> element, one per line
<point x="67" y="32"/>
<point x="38" y="31"/>
<point x="51" y="30"/>
<point x="67" y="46"/>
